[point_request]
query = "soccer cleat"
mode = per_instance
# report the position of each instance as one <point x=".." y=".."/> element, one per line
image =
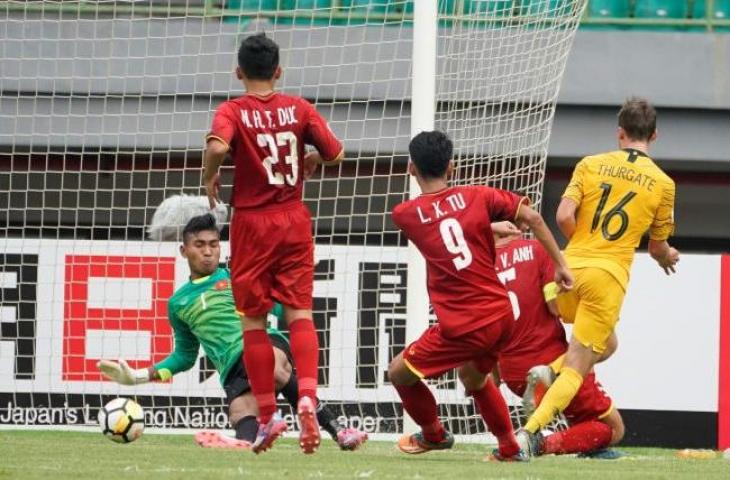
<point x="539" y="379"/>
<point x="351" y="438"/>
<point x="216" y="440"/>
<point x="603" y="454"/>
<point x="531" y="444"/>
<point x="495" y="456"/>
<point x="416" y="443"/>
<point x="309" y="436"/>
<point x="268" y="433"/>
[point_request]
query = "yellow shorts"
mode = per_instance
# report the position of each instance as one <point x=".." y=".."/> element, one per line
<point x="593" y="306"/>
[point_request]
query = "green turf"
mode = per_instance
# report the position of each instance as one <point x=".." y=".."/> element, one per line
<point x="57" y="455"/>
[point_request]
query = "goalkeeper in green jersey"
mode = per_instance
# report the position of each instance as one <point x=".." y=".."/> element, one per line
<point x="202" y="313"/>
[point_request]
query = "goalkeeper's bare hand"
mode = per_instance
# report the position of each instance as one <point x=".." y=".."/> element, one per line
<point x="122" y="373"/>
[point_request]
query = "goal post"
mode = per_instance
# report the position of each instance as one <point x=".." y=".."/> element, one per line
<point x="423" y="117"/>
<point x="103" y="111"/>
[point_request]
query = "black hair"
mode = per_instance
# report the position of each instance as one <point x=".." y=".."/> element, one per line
<point x="201" y="223"/>
<point x="431" y="153"/>
<point x="258" y="57"/>
<point x="638" y="119"/>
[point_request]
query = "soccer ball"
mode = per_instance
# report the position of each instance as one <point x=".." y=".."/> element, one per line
<point x="174" y="212"/>
<point x="121" y="420"/>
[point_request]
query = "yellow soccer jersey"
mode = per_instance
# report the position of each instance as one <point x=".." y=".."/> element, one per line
<point x="620" y="195"/>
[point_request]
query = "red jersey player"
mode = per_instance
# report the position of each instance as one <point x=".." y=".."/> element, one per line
<point x="451" y="227"/>
<point x="538" y="338"/>
<point x="272" y="251"/>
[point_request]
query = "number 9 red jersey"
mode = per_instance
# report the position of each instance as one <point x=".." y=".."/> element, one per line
<point x="266" y="136"/>
<point x="452" y="230"/>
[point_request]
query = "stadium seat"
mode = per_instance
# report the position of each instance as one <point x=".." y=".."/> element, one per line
<point x="375" y="7"/>
<point x="552" y="8"/>
<point x="397" y="8"/>
<point x="609" y="9"/>
<point x="499" y="7"/>
<point x="661" y="9"/>
<point x="721" y="12"/>
<point x="304" y="10"/>
<point x="249" y="5"/>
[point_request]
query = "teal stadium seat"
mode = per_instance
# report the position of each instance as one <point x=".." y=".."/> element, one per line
<point x="721" y="11"/>
<point x="366" y="8"/>
<point x="661" y="9"/>
<point x="553" y="8"/>
<point x="501" y="8"/>
<point x="488" y="9"/>
<point x="607" y="9"/>
<point x="304" y="12"/>
<point x="397" y="8"/>
<point x="265" y="6"/>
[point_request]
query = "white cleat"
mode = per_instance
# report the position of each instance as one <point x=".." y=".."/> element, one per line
<point x="530" y="443"/>
<point x="539" y="375"/>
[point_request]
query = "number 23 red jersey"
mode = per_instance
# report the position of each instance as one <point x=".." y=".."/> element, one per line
<point x="452" y="230"/>
<point x="266" y="135"/>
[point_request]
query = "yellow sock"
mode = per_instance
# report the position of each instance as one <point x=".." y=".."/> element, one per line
<point x="556" y="399"/>
<point x="557" y="364"/>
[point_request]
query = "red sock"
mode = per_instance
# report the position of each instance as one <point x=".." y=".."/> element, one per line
<point x="418" y="401"/>
<point x="580" y="438"/>
<point x="258" y="358"/>
<point x="491" y="405"/>
<point x="305" y="350"/>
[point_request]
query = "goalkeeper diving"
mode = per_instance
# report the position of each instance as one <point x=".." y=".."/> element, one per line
<point x="202" y="313"/>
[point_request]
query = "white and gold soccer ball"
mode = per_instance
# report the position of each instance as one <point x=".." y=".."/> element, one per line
<point x="174" y="212"/>
<point x="122" y="420"/>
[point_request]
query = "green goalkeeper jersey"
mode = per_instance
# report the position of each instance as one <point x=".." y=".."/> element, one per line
<point x="202" y="312"/>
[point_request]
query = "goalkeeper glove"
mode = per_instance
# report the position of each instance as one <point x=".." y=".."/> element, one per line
<point x="122" y="373"/>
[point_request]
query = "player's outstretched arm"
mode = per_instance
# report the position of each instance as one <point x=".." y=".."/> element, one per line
<point x="666" y="256"/>
<point x="215" y="154"/>
<point x="527" y="217"/>
<point x="565" y="217"/>
<point x="182" y="358"/>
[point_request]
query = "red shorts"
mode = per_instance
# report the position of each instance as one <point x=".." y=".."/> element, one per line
<point x="272" y="258"/>
<point x="590" y="403"/>
<point x="433" y="354"/>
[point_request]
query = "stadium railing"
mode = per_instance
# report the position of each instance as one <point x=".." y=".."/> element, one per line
<point x="680" y="15"/>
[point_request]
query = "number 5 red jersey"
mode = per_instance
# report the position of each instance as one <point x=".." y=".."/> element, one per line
<point x="266" y="136"/>
<point x="538" y="338"/>
<point x="452" y="230"/>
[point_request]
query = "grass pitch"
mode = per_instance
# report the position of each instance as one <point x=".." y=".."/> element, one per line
<point x="59" y="455"/>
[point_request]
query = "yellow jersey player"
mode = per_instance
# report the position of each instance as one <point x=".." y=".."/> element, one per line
<point x="612" y="200"/>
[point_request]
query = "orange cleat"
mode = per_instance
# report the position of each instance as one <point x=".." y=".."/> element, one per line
<point x="207" y="439"/>
<point x="416" y="443"/>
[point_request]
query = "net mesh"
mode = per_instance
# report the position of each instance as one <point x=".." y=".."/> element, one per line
<point x="103" y="110"/>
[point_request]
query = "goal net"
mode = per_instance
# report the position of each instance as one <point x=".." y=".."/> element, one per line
<point x="103" y="109"/>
